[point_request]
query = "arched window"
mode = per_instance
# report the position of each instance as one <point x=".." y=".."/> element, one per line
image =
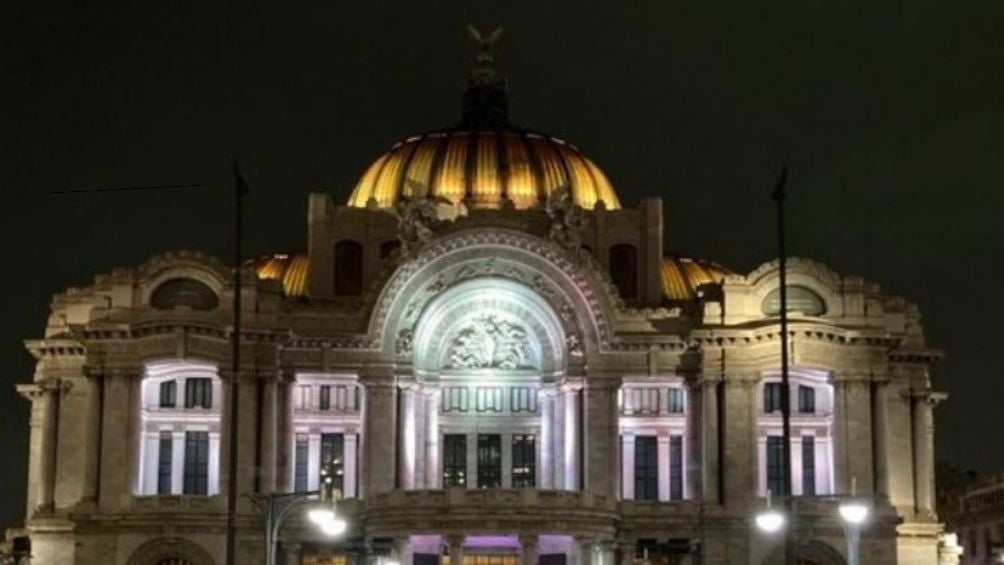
<point x="389" y="248"/>
<point x="348" y="268"/>
<point x="184" y="292"/>
<point x="800" y="299"/>
<point x="624" y="269"/>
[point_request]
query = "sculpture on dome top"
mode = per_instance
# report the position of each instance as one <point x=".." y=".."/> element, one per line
<point x="417" y="217"/>
<point x="567" y="219"/>
<point x="486" y="57"/>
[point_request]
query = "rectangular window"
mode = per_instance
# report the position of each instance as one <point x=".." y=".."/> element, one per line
<point x="198" y="393"/>
<point x="489" y="460"/>
<point x="454" y="460"/>
<point x="806" y="400"/>
<point x="524" y="460"/>
<point x="165" y="461"/>
<point x="325" y="399"/>
<point x="676" y="467"/>
<point x="522" y="399"/>
<point x="301" y="463"/>
<point x="303" y="397"/>
<point x="775" y="465"/>
<point x="675" y="400"/>
<point x="808" y="465"/>
<point x="168" y="394"/>
<point x="196" y="480"/>
<point x="454" y="399"/>
<point x="489" y="399"/>
<point x="333" y="459"/>
<point x="771" y="397"/>
<point x="646" y="468"/>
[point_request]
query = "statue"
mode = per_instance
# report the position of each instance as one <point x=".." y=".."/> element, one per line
<point x="417" y="217"/>
<point x="485" y="44"/>
<point x="567" y="219"/>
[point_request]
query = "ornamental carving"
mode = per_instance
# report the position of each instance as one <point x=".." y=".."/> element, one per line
<point x="491" y="343"/>
<point x="567" y="219"/>
<point x="417" y="217"/>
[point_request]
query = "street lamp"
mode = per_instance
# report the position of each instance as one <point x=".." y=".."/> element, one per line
<point x="769" y="520"/>
<point x="854" y="513"/>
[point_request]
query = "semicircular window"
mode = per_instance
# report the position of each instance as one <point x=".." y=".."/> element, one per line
<point x="184" y="292"/>
<point x="800" y="299"/>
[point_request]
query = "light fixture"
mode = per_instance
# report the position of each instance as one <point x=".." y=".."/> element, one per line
<point x="333" y="527"/>
<point x="770" y="520"/>
<point x="321" y="515"/>
<point x="853" y="512"/>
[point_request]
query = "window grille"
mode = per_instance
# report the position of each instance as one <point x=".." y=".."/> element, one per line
<point x="198" y="393"/>
<point x="454" y="460"/>
<point x="524" y="460"/>
<point x="168" y="394"/>
<point x="196" y="479"/>
<point x="646" y="468"/>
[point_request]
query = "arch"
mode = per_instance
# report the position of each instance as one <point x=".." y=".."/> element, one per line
<point x="170" y="550"/>
<point x="574" y="292"/>
<point x="348" y="268"/>
<point x="623" y="262"/>
<point x="183" y="292"/>
<point x="814" y="552"/>
<point x="800" y="298"/>
<point x="489" y="324"/>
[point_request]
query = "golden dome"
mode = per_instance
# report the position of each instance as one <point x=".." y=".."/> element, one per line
<point x="291" y="269"/>
<point x="682" y="275"/>
<point x="482" y="168"/>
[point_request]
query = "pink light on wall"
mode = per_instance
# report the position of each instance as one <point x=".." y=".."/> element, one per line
<point x="477" y="542"/>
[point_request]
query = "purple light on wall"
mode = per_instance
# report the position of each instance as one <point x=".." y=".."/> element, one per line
<point x="547" y="544"/>
<point x="492" y="541"/>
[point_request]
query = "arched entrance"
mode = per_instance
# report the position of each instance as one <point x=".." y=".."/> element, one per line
<point x="170" y="551"/>
<point x="814" y="552"/>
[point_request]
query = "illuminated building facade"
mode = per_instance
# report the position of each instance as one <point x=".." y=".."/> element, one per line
<point x="503" y="365"/>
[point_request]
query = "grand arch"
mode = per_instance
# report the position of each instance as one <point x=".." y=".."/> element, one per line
<point x="814" y="552"/>
<point x="170" y="551"/>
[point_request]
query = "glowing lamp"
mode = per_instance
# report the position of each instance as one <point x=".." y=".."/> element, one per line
<point x="770" y="521"/>
<point x="321" y="516"/>
<point x="854" y="513"/>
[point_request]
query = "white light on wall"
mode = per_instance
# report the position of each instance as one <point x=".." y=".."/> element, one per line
<point x="333" y="527"/>
<point x="770" y="520"/>
<point x="321" y="516"/>
<point x="854" y="513"/>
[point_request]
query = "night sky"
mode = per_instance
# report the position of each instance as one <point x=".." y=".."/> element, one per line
<point x="890" y="116"/>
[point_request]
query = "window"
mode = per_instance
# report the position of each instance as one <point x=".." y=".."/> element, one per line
<point x="646" y="468"/>
<point x="187" y="293"/>
<point x="348" y="268"/>
<point x="333" y="459"/>
<point x="165" y="461"/>
<point x="799" y="298"/>
<point x="454" y="460"/>
<point x="676" y="467"/>
<point x="808" y="465"/>
<point x="775" y="465"/>
<point x="806" y="399"/>
<point x="301" y="463"/>
<point x="196" y="463"/>
<point x="489" y="399"/>
<point x="522" y="399"/>
<point x="168" y="394"/>
<point x="524" y="461"/>
<point x="454" y="399"/>
<point x="489" y="460"/>
<point x="675" y="400"/>
<point x="624" y="269"/>
<point x="198" y="393"/>
<point x="303" y="397"/>
<point x="325" y="399"/>
<point x="771" y="397"/>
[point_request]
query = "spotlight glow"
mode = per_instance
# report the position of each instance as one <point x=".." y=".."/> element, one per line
<point x="333" y="527"/>
<point x="770" y="521"/>
<point x="321" y="516"/>
<point x="853" y="513"/>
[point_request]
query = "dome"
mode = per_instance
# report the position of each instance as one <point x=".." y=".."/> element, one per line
<point x="290" y="269"/>
<point x="482" y="169"/>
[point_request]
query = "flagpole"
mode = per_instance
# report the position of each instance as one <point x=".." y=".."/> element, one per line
<point x="779" y="196"/>
<point x="240" y="189"/>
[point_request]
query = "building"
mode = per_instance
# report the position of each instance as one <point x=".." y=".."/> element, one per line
<point x="977" y="517"/>
<point x="500" y="362"/>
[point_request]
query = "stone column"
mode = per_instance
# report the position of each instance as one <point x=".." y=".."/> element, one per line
<point x="351" y="472"/>
<point x="472" y="460"/>
<point x="402" y="551"/>
<point x="740" y="447"/>
<point x="41" y="446"/>
<point x="407" y="430"/>
<point x="456" y="549"/>
<point x="923" y="450"/>
<point x="287" y="440"/>
<point x="879" y="438"/>
<point x="558" y="427"/>
<point x="602" y="437"/>
<point x="711" y="487"/>
<point x="573" y="441"/>
<point x="433" y="473"/>
<point x="506" y="440"/>
<point x="841" y="468"/>
<point x="379" y="441"/>
<point x="529" y="544"/>
<point x="662" y="445"/>
<point x="76" y="435"/>
<point x="269" y="435"/>
<point x="584" y="548"/>
<point x="115" y="441"/>
<point x="547" y="452"/>
<point x="852" y="433"/>
<point x="627" y="466"/>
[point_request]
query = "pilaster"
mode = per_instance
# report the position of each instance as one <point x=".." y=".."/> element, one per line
<point x="380" y="423"/>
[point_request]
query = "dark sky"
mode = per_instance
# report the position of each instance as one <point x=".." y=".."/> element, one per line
<point x="888" y="113"/>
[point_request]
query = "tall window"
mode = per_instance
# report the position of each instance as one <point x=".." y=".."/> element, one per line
<point x="676" y="400"/>
<point x="325" y="398"/>
<point x="348" y="268"/>
<point x="808" y="465"/>
<point x="806" y="399"/>
<point x="676" y="467"/>
<point x="771" y="397"/>
<point x="196" y="480"/>
<point x="524" y="460"/>
<point x="165" y="461"/>
<point x="333" y="458"/>
<point x="646" y="468"/>
<point x="624" y="269"/>
<point x="454" y="460"/>
<point x="198" y="393"/>
<point x="489" y="460"/>
<point x="168" y="394"/>
<point x="775" y="465"/>
<point x="302" y="463"/>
